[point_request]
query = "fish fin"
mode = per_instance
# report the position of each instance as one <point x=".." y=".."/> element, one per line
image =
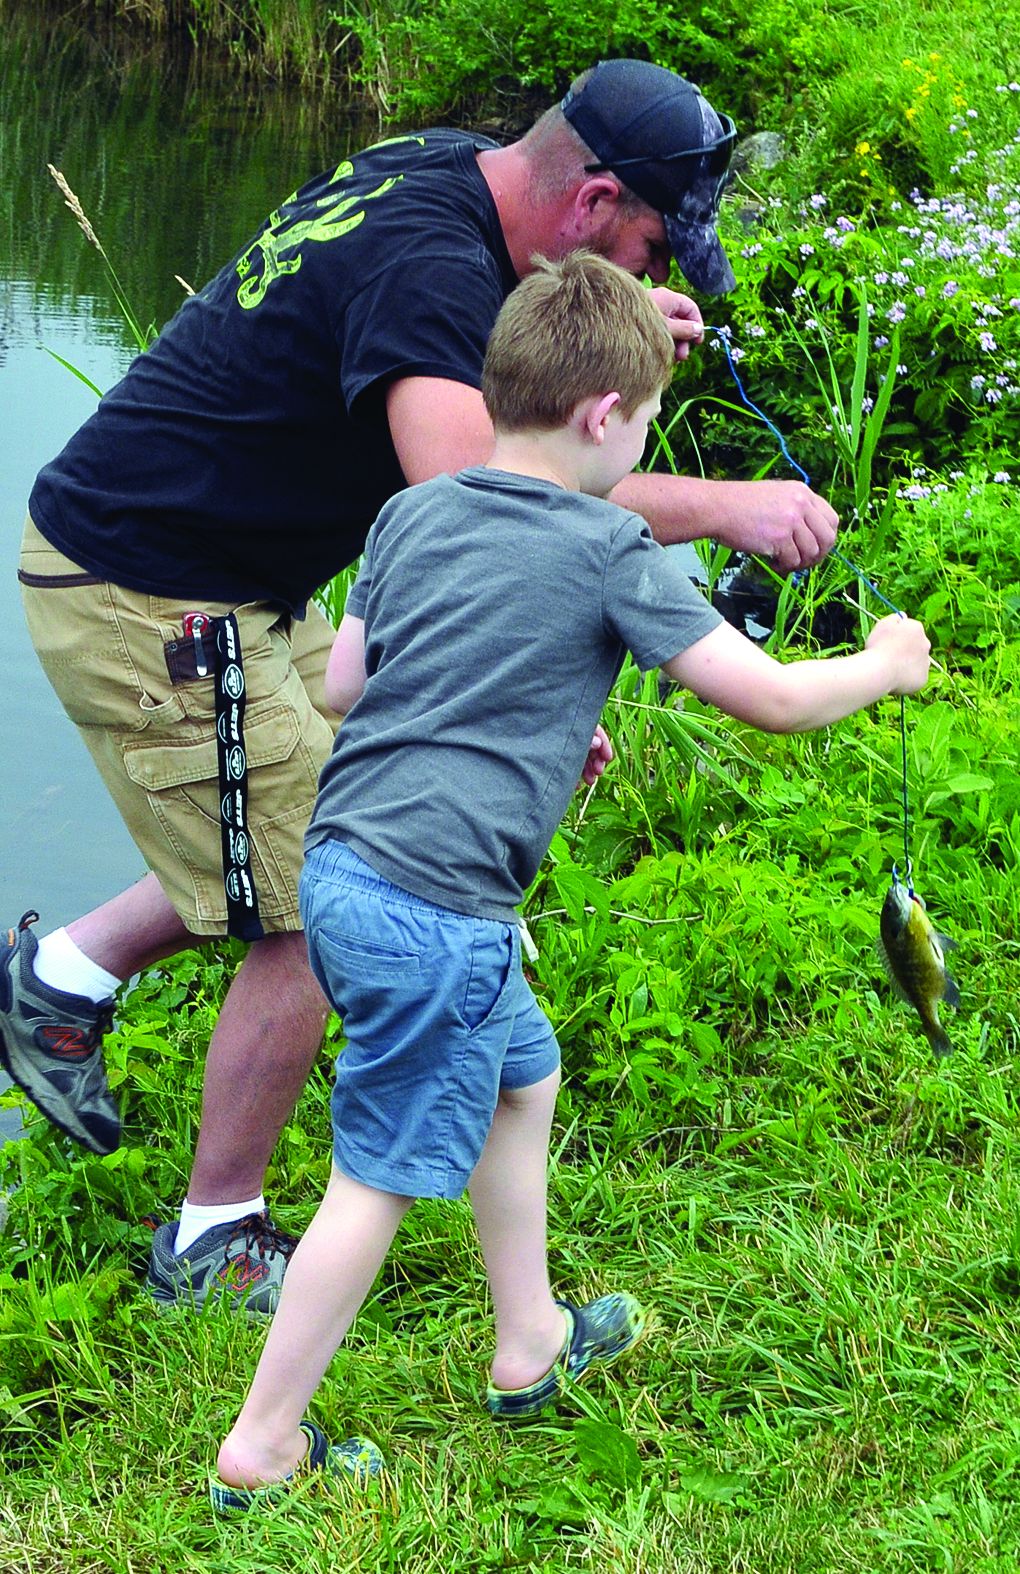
<point x="951" y="993"/>
<point x="947" y="943"/>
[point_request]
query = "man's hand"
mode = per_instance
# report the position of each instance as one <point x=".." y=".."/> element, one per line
<point x="783" y="521"/>
<point x="683" y="319"/>
<point x="599" y="756"/>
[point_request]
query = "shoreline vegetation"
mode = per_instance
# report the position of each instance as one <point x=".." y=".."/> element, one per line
<point x="774" y="63"/>
<point x="753" y="1136"/>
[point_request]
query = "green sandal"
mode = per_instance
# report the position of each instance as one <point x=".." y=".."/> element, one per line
<point x="356" y="1459"/>
<point x="600" y="1330"/>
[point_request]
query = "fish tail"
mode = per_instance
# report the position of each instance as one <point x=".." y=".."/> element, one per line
<point x="938" y="1038"/>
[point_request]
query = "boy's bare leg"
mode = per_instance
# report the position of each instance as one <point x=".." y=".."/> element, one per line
<point x="328" y="1278"/>
<point x="508" y="1195"/>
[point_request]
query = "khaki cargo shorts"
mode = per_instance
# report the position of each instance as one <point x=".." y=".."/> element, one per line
<point x="153" y="740"/>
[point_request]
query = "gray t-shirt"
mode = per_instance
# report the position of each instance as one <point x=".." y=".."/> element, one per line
<point x="498" y="610"/>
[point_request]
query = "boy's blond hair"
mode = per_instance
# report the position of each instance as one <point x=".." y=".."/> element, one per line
<point x="570" y="331"/>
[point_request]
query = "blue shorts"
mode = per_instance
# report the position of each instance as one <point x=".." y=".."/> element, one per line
<point x="437" y="1015"/>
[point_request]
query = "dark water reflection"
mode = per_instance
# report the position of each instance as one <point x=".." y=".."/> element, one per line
<point x="174" y="167"/>
<point x="175" y="161"/>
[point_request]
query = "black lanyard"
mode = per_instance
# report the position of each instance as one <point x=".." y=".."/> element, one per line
<point x="243" y="920"/>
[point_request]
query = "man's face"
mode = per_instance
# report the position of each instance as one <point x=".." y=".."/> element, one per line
<point x="635" y="239"/>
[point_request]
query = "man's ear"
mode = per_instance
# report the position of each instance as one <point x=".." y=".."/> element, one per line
<point x="597" y="414"/>
<point x="595" y="203"/>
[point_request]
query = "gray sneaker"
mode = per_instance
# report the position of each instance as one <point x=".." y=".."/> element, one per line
<point x="50" y="1044"/>
<point x="242" y="1262"/>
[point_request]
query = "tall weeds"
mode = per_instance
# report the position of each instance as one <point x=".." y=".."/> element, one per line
<point x="300" y="39"/>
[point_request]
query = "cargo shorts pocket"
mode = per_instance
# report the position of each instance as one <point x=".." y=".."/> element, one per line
<point x="180" y="779"/>
<point x="79" y="634"/>
<point x="265" y="650"/>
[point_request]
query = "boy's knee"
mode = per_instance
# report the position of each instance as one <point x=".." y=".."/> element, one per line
<point x="535" y="1093"/>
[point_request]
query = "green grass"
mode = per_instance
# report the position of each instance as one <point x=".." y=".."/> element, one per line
<point x="752" y="1135"/>
<point x="828" y="1383"/>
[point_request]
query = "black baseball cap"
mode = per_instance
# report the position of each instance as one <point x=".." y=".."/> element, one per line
<point x="669" y="146"/>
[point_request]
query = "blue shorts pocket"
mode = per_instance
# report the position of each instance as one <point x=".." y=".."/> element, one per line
<point x="359" y="958"/>
<point x="492" y="962"/>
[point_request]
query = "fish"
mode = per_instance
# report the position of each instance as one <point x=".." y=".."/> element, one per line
<point x="914" y="956"/>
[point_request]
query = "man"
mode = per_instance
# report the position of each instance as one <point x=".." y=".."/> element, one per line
<point x="173" y="545"/>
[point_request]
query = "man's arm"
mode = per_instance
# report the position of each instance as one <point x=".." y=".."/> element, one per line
<point x="781" y="520"/>
<point x="439" y="425"/>
<point x="345" y="669"/>
<point x="729" y="671"/>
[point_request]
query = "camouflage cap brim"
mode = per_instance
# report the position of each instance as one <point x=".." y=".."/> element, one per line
<point x="699" y="255"/>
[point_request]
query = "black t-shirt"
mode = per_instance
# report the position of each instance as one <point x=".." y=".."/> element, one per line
<point x="246" y="453"/>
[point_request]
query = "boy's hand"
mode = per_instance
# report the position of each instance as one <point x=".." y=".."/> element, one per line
<point x="903" y="642"/>
<point x="599" y="756"/>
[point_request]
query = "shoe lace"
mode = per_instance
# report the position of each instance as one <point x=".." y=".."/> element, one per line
<point x="104" y="1013"/>
<point x="261" y="1235"/>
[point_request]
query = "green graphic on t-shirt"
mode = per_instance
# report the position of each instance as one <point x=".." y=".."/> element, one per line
<point x="279" y="244"/>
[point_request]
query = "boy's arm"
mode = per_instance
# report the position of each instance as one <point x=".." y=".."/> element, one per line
<point x="599" y="756"/>
<point x="345" y="669"/>
<point x="728" y="670"/>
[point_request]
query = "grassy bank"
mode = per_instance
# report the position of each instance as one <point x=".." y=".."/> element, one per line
<point x="752" y="1136"/>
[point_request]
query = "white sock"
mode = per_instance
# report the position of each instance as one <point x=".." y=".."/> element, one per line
<point x="64" y="965"/>
<point x="196" y="1218"/>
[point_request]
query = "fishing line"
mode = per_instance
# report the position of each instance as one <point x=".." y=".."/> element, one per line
<point x="724" y="338"/>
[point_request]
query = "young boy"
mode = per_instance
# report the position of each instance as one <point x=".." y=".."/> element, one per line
<point x="481" y="638"/>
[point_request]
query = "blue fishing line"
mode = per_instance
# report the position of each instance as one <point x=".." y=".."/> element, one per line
<point x="777" y="434"/>
<point x="724" y="337"/>
<point x="780" y="439"/>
